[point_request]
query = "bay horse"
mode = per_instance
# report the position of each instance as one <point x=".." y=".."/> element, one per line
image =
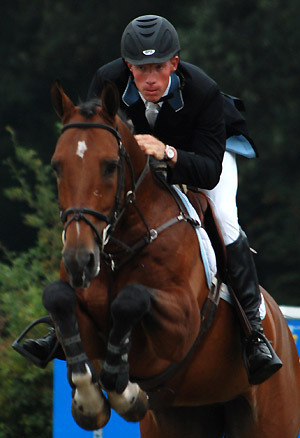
<point x="130" y="303"/>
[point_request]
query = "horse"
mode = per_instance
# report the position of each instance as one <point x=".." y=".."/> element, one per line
<point x="131" y="303"/>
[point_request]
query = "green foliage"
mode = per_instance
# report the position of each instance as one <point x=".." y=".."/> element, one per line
<point x="25" y="390"/>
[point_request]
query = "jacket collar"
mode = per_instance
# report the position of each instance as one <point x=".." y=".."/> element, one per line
<point x="175" y="99"/>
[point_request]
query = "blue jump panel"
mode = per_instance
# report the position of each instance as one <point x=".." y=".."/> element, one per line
<point x="64" y="426"/>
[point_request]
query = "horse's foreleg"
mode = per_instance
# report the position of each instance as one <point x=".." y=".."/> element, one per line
<point x="90" y="408"/>
<point x="126" y="398"/>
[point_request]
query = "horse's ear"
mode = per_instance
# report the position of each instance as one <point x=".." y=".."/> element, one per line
<point x="110" y="99"/>
<point x="61" y="103"/>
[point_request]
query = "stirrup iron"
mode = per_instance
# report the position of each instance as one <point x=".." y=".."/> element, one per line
<point x="18" y="346"/>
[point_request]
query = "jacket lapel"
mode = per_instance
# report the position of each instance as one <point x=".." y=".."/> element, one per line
<point x="135" y="107"/>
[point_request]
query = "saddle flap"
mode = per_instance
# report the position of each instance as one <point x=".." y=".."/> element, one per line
<point x="201" y="204"/>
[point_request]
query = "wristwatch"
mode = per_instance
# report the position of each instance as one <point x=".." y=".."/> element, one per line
<point x="169" y="153"/>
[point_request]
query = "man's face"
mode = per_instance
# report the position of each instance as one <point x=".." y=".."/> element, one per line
<point x="152" y="79"/>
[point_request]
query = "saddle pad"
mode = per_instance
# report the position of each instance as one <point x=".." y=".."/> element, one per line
<point x="225" y="295"/>
<point x="206" y="249"/>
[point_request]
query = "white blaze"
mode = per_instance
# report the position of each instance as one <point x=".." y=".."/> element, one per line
<point x="82" y="147"/>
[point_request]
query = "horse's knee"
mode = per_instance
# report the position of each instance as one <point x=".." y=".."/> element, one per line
<point x="131" y="304"/>
<point x="128" y="308"/>
<point x="59" y="298"/>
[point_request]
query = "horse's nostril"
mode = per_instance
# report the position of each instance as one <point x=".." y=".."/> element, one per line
<point x="91" y="262"/>
<point x="85" y="259"/>
<point x="78" y="261"/>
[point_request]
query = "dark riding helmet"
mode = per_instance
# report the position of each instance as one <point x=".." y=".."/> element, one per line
<point x="149" y="39"/>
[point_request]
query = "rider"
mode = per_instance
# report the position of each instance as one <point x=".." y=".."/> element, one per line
<point x="180" y="117"/>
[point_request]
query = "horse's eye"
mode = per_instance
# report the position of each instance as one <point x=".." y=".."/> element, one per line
<point x="110" y="167"/>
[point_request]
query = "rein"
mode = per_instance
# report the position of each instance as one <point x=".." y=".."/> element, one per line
<point x="131" y="251"/>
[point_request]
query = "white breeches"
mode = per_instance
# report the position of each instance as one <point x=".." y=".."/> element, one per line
<point x="223" y="199"/>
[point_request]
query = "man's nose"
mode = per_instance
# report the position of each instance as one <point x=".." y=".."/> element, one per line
<point x="151" y="78"/>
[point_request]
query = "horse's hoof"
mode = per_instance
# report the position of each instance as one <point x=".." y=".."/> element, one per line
<point x="132" y="404"/>
<point x="90" y="408"/>
<point x="139" y="408"/>
<point x="89" y="421"/>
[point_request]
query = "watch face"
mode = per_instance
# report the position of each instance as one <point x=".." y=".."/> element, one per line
<point x="170" y="153"/>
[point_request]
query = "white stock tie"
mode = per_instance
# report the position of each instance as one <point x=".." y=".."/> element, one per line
<point x="152" y="110"/>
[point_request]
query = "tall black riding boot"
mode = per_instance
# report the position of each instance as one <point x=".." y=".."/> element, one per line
<point x="261" y="360"/>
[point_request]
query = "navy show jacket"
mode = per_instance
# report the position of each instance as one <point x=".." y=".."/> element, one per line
<point x="192" y="119"/>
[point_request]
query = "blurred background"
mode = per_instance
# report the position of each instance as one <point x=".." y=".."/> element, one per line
<point x="250" y="48"/>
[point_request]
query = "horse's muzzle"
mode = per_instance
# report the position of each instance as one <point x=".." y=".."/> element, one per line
<point x="82" y="265"/>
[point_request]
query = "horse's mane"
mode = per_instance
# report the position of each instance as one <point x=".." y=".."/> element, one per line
<point x="90" y="108"/>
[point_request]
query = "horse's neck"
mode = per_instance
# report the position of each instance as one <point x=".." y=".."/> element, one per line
<point x="152" y="205"/>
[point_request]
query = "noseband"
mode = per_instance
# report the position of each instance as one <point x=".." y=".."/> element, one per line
<point x="79" y="213"/>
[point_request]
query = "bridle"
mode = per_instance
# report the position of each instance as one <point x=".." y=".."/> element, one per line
<point x="80" y="213"/>
<point x="120" y="205"/>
